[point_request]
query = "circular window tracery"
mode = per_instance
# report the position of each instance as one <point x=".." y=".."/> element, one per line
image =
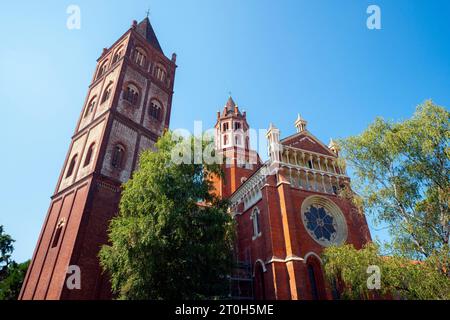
<point x="324" y="221"/>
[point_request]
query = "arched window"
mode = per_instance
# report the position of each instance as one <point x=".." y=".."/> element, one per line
<point x="155" y="110"/>
<point x="58" y="232"/>
<point x="256" y="227"/>
<point x="90" y="107"/>
<point x="260" y="287"/>
<point x="107" y="93"/>
<point x="131" y="94"/>
<point x="315" y="277"/>
<point x="225" y="139"/>
<point x="102" y="69"/>
<point x="140" y="57"/>
<point x="310" y="164"/>
<point x="313" y="282"/>
<point x="72" y="164"/>
<point x="89" y="153"/>
<point x="160" y="73"/>
<point x="237" y="125"/>
<point x="117" y="55"/>
<point x="118" y="156"/>
<point x="225" y="126"/>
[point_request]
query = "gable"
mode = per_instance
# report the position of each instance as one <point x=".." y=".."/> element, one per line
<point x="306" y="141"/>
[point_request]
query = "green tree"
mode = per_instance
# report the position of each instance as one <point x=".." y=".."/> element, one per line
<point x="403" y="179"/>
<point x="399" y="277"/>
<point x="164" y="244"/>
<point x="6" y="249"/>
<point x="10" y="286"/>
<point x="12" y="274"/>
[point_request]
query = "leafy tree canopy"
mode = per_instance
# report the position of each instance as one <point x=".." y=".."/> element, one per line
<point x="399" y="277"/>
<point x="10" y="286"/>
<point x="12" y="274"/>
<point x="6" y="249"/>
<point x="163" y="243"/>
<point x="403" y="178"/>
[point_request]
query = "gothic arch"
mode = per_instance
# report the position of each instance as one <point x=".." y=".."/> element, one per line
<point x="311" y="253"/>
<point x="88" y="108"/>
<point x="118" y="161"/>
<point x="135" y="87"/>
<point x="106" y="94"/>
<point x="315" y="277"/>
<point x="102" y="68"/>
<point x="116" y="56"/>
<point x="261" y="263"/>
<point x="143" y="52"/>
<point x="159" y="115"/>
<point x="259" y="269"/>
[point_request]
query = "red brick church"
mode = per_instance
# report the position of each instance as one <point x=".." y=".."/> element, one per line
<point x="287" y="209"/>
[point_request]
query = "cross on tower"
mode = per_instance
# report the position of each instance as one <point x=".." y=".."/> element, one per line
<point x="147" y="13"/>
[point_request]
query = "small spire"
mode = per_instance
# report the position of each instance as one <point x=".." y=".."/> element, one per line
<point x="146" y="30"/>
<point x="230" y="103"/>
<point x="300" y="123"/>
<point x="333" y="146"/>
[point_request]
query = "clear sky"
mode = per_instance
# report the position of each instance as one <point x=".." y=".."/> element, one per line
<point x="278" y="58"/>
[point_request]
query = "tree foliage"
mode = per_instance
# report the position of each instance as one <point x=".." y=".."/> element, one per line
<point x="6" y="249"/>
<point x="163" y="243"/>
<point x="12" y="273"/>
<point x="12" y="283"/>
<point x="402" y="177"/>
<point x="400" y="277"/>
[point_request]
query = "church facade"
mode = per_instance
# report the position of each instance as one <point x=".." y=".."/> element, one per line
<point x="287" y="209"/>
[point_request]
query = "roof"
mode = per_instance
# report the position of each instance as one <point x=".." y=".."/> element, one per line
<point x="229" y="107"/>
<point x="146" y="30"/>
<point x="306" y="141"/>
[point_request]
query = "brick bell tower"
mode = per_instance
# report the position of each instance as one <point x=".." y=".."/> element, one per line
<point x="126" y="110"/>
<point x="232" y="137"/>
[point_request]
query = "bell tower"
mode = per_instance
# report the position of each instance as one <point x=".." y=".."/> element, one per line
<point x="232" y="138"/>
<point x="127" y="108"/>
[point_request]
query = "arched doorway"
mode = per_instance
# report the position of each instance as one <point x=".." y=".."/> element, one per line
<point x="259" y="282"/>
<point x="316" y="282"/>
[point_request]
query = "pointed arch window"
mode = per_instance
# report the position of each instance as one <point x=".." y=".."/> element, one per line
<point x="72" y="164"/>
<point x="225" y="126"/>
<point x="313" y="282"/>
<point x="90" y="107"/>
<point x="117" y="55"/>
<point x="102" y="69"/>
<point x="155" y="110"/>
<point x="160" y="73"/>
<point x="107" y="93"/>
<point x="118" y="156"/>
<point x="58" y="232"/>
<point x="256" y="224"/>
<point x="237" y="125"/>
<point x="89" y="154"/>
<point x="225" y="139"/>
<point x="131" y="94"/>
<point x="139" y="57"/>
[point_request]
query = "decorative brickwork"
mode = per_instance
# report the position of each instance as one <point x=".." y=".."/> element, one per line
<point x="88" y="191"/>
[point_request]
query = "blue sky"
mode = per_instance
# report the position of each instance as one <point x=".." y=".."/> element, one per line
<point x="277" y="58"/>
